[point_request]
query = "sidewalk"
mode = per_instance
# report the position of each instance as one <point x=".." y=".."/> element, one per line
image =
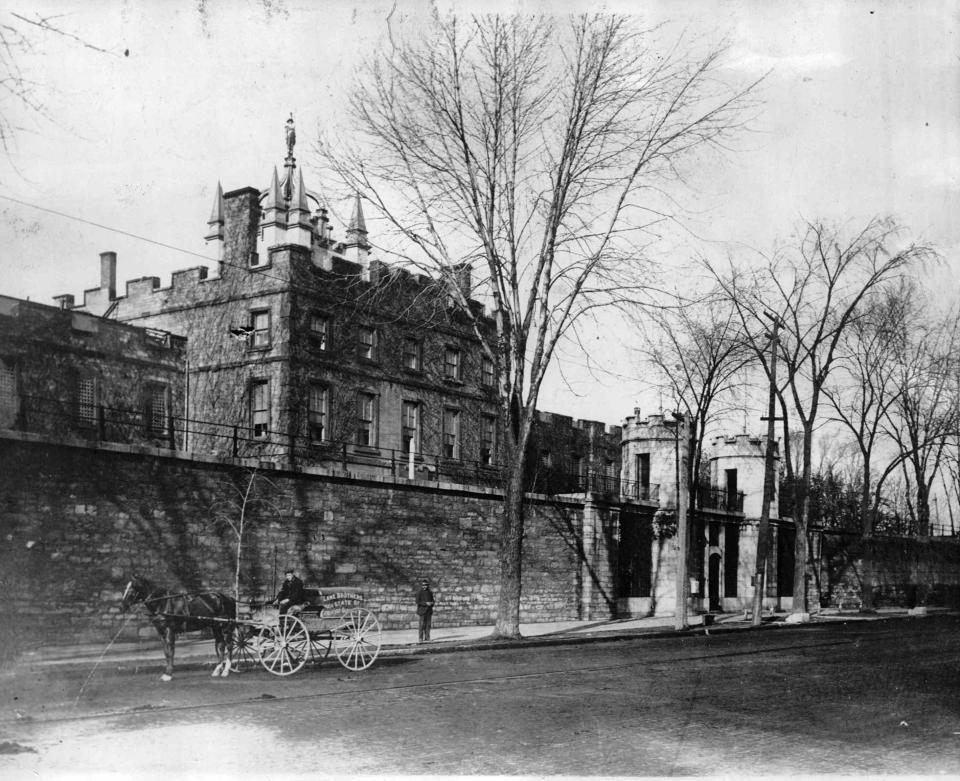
<point x="194" y="652"/>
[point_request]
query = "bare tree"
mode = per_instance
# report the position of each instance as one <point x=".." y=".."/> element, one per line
<point x="817" y="290"/>
<point x="698" y="351"/>
<point x="866" y="388"/>
<point x="524" y="146"/>
<point x="20" y="94"/>
<point x="925" y="413"/>
<point x="245" y="500"/>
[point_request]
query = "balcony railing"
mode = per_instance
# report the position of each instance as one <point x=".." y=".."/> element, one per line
<point x="559" y="482"/>
<point x="711" y="497"/>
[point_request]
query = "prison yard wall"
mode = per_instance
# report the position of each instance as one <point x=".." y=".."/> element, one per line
<point x="77" y="521"/>
<point x="898" y="572"/>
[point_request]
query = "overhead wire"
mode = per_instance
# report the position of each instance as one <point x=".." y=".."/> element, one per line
<point x="264" y="273"/>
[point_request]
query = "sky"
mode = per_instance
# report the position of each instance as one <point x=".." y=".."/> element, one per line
<point x="151" y="104"/>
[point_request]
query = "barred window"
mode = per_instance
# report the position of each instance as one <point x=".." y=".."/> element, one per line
<point x="87" y="401"/>
<point x="9" y="398"/>
<point x="156" y="413"/>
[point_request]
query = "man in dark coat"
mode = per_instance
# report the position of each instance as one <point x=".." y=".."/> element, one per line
<point x="292" y="597"/>
<point x="425" y="609"/>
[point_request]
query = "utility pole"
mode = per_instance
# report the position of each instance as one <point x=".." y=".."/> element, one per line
<point x="682" y="536"/>
<point x="763" y="532"/>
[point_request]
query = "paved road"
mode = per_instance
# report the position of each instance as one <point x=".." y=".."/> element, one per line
<point x="863" y="698"/>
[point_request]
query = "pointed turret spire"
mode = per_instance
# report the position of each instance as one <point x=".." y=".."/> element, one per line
<point x="273" y="198"/>
<point x="357" y="230"/>
<point x="302" y="204"/>
<point x="215" y="223"/>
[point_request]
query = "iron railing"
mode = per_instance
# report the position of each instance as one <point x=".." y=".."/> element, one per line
<point x="588" y="481"/>
<point x="711" y="497"/>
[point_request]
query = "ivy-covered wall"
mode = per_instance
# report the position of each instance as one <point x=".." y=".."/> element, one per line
<point x="76" y="522"/>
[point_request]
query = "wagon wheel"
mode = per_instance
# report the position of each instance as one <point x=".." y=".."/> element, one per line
<point x="356" y="638"/>
<point x="244" y="647"/>
<point x="284" y="648"/>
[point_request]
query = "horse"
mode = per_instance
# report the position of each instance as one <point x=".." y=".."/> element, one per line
<point x="172" y="612"/>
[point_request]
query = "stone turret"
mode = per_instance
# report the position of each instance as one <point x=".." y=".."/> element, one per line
<point x="739" y="460"/>
<point x="650" y="449"/>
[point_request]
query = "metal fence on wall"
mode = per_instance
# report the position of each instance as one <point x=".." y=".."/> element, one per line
<point x="101" y="423"/>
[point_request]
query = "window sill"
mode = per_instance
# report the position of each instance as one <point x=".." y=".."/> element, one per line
<point x="367" y="450"/>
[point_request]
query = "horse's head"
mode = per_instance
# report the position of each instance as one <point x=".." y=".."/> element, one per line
<point x="135" y="592"/>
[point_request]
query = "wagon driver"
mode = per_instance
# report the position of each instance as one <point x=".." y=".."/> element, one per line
<point x="291" y="597"/>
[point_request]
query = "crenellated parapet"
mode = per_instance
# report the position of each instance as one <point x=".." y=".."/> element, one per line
<point x="739" y="462"/>
<point x="651" y="448"/>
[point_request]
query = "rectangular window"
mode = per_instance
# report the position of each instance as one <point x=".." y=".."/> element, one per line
<point x="488" y="439"/>
<point x="87" y="401"/>
<point x="367" y="343"/>
<point x="643" y="474"/>
<point x="411" y="354"/>
<point x="260" y="334"/>
<point x="410" y="426"/>
<point x="156" y="415"/>
<point x="546" y="459"/>
<point x="576" y="468"/>
<point x="319" y="330"/>
<point x="451" y="433"/>
<point x="451" y="363"/>
<point x="366" y="419"/>
<point x="486" y="372"/>
<point x="317" y="412"/>
<point x="9" y="398"/>
<point x="260" y="409"/>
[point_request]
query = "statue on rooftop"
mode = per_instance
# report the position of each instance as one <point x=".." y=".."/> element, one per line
<point x="291" y="134"/>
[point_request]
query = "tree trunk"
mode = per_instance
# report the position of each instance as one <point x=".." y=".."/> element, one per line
<point x="866" y="503"/>
<point x="511" y="554"/>
<point x="801" y="520"/>
<point x="801" y="554"/>
<point x="923" y="509"/>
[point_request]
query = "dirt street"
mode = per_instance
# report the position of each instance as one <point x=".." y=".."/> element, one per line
<point x="863" y="698"/>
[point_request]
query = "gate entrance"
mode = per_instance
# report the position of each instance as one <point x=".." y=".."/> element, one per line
<point x="634" y="557"/>
<point x="713" y="582"/>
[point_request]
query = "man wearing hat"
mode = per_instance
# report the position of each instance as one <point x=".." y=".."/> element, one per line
<point x="425" y="609"/>
<point x="292" y="597"/>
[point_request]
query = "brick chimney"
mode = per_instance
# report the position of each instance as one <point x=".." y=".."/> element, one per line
<point x="108" y="273"/>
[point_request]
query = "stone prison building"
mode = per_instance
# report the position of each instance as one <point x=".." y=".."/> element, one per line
<point x="352" y="407"/>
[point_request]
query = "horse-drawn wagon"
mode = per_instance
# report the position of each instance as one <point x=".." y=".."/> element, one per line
<point x="334" y="620"/>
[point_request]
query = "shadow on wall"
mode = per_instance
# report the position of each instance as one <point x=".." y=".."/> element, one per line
<point x="664" y="530"/>
<point x="891" y="572"/>
<point x="567" y="525"/>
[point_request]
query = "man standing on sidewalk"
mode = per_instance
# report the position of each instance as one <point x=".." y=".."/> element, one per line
<point x="425" y="609"/>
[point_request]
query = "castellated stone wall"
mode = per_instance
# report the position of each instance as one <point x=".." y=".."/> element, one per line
<point x="77" y="521"/>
